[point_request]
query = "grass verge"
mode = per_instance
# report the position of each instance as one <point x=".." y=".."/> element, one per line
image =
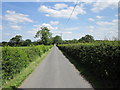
<point x="16" y="82"/>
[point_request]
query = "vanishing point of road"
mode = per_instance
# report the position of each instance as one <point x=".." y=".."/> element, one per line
<point x="55" y="71"/>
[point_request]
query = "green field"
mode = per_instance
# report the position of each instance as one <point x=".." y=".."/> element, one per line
<point x="98" y="61"/>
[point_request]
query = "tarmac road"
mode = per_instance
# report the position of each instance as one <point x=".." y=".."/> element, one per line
<point x="55" y="71"/>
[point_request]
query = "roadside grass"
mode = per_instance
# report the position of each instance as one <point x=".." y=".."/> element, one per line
<point x="19" y="78"/>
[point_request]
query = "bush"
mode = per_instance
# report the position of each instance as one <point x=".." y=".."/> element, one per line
<point x="100" y="59"/>
<point x="14" y="59"/>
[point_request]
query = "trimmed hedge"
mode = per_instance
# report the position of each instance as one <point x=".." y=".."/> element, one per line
<point x="14" y="59"/>
<point x="101" y="60"/>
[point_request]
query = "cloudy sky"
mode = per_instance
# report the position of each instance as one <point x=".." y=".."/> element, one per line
<point x="99" y="19"/>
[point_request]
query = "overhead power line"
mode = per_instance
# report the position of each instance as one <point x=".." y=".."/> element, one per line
<point x="72" y="11"/>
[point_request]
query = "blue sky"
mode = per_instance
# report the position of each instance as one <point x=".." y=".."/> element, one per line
<point x="25" y="18"/>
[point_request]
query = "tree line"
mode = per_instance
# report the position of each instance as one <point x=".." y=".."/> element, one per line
<point x="45" y="37"/>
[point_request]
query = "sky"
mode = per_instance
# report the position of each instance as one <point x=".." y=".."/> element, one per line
<point x="99" y="19"/>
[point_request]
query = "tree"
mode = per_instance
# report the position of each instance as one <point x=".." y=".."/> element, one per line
<point x="44" y="35"/>
<point x="57" y="40"/>
<point x="74" y="41"/>
<point x="87" y="38"/>
<point x="4" y="43"/>
<point x="16" y="41"/>
<point x="27" y="42"/>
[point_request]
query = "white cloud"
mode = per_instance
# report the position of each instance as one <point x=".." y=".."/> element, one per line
<point x="38" y="0"/>
<point x="49" y="26"/>
<point x="14" y="17"/>
<point x="108" y="29"/>
<point x="47" y="15"/>
<point x="98" y="5"/>
<point x="99" y="17"/>
<point x="60" y="6"/>
<point x="71" y="29"/>
<point x="0" y="16"/>
<point x="70" y="35"/>
<point x="101" y="5"/>
<point x="115" y="21"/>
<point x="63" y="32"/>
<point x="91" y="30"/>
<point x="91" y="27"/>
<point x="65" y="35"/>
<point x="15" y="27"/>
<point x="63" y="13"/>
<point x="108" y="32"/>
<point x="54" y="22"/>
<point x="116" y="15"/>
<point x="1" y="27"/>
<point x="38" y="27"/>
<point x="66" y="32"/>
<point x="103" y="23"/>
<point x="7" y="34"/>
<point x="32" y="32"/>
<point x="91" y="19"/>
<point x="87" y="1"/>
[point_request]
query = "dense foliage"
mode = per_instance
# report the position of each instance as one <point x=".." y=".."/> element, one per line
<point x="57" y="40"/>
<point x="14" y="59"/>
<point x="86" y="38"/>
<point x="44" y="35"/>
<point x="101" y="59"/>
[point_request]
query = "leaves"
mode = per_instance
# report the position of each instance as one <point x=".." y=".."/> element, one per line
<point x="101" y="59"/>
<point x="14" y="59"/>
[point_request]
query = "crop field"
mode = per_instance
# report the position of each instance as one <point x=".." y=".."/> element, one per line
<point x="101" y="59"/>
<point x="15" y="59"/>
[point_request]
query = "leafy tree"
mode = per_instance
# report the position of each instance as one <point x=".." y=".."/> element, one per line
<point x="27" y="42"/>
<point x="57" y="40"/>
<point x="74" y="41"/>
<point x="87" y="38"/>
<point x="4" y="43"/>
<point x="16" y="41"/>
<point x="45" y="35"/>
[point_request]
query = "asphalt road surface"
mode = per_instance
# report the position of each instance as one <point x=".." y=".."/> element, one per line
<point x="55" y="71"/>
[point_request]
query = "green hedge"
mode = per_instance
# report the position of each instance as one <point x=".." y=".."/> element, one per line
<point x="14" y="59"/>
<point x="102" y="60"/>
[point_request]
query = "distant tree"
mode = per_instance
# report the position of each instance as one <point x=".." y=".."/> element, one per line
<point x="16" y="41"/>
<point x="57" y="40"/>
<point x="82" y="39"/>
<point x="35" y="43"/>
<point x="4" y="43"/>
<point x="74" y="41"/>
<point x="45" y="35"/>
<point x="27" y="42"/>
<point x="39" y="42"/>
<point x="87" y="38"/>
<point x="66" y="41"/>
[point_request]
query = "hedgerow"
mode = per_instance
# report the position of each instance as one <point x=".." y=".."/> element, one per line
<point x="100" y="59"/>
<point x="15" y="59"/>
